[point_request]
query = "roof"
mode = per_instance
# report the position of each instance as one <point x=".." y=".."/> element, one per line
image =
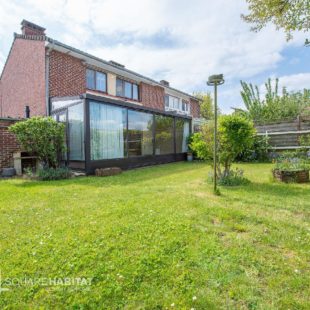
<point x="52" y="43"/>
<point x="114" y="65"/>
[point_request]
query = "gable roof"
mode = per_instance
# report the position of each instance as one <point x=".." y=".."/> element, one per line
<point x="113" y="66"/>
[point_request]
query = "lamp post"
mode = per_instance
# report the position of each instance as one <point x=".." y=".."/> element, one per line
<point x="215" y="80"/>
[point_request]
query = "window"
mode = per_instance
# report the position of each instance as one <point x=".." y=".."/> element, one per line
<point x="90" y="79"/>
<point x="107" y="131"/>
<point x="96" y="80"/>
<point x="127" y="89"/>
<point x="140" y="133"/>
<point x="101" y="81"/>
<point x="164" y="135"/>
<point x="76" y="132"/>
<point x="174" y="103"/>
<point x="181" y="134"/>
<point x="135" y="92"/>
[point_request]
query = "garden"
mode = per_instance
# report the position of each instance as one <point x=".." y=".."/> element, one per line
<point x="158" y="237"/>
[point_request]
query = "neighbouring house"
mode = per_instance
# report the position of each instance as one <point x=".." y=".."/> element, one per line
<point x="113" y="116"/>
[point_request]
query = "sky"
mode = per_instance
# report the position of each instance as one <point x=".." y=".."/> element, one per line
<point x="180" y="41"/>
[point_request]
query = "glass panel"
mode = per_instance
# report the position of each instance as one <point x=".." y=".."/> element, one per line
<point x="135" y="94"/>
<point x="128" y="90"/>
<point x="181" y="135"/>
<point x="163" y="135"/>
<point x="90" y="79"/>
<point x="107" y="131"/>
<point x="76" y="132"/>
<point x="119" y="87"/>
<point x="140" y="133"/>
<point x="101" y="79"/>
<point x="166" y="101"/>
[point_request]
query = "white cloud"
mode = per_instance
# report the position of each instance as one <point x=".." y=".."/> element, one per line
<point x="206" y="37"/>
<point x="295" y="82"/>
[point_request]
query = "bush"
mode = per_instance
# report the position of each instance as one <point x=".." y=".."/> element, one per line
<point x="292" y="161"/>
<point x="233" y="178"/>
<point x="49" y="174"/>
<point x="259" y="151"/>
<point x="42" y="137"/>
<point x="198" y="146"/>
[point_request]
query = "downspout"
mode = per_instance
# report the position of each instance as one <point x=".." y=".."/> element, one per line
<point x="47" y="69"/>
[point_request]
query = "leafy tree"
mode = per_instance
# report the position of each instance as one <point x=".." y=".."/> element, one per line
<point x="206" y="105"/>
<point x="43" y="137"/>
<point x="273" y="106"/>
<point x="235" y="136"/>
<point x="289" y="15"/>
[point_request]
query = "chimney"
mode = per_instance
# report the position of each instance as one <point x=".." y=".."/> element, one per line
<point x="29" y="28"/>
<point x="165" y="83"/>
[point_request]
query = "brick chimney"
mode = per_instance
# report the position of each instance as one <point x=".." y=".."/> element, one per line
<point x="29" y="28"/>
<point x="164" y="82"/>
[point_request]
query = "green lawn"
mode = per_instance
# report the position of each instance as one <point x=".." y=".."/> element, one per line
<point x="156" y="238"/>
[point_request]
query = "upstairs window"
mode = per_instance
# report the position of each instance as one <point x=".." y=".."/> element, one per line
<point x="127" y="89"/>
<point x="96" y="80"/>
<point x="177" y="104"/>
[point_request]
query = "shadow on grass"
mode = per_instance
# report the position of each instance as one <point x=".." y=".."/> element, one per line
<point x="129" y="177"/>
<point x="275" y="189"/>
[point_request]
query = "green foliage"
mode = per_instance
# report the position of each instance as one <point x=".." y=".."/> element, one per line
<point x="206" y="105"/>
<point x="157" y="236"/>
<point x="41" y="136"/>
<point x="200" y="143"/>
<point x="289" y="15"/>
<point x="305" y="141"/>
<point x="292" y="161"/>
<point x="233" y="178"/>
<point x="236" y="135"/>
<point x="274" y="106"/>
<point x="258" y="152"/>
<point x="49" y="174"/>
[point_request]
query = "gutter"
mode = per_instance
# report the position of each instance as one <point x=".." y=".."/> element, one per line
<point x="75" y="50"/>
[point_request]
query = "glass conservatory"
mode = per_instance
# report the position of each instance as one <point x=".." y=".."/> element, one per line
<point x="103" y="132"/>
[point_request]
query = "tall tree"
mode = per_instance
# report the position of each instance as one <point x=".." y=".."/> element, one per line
<point x="289" y="15"/>
<point x="206" y="105"/>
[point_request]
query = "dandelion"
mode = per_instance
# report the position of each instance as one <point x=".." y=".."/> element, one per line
<point x="172" y="305"/>
<point x="194" y="298"/>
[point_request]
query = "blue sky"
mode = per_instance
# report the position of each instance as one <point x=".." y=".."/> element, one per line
<point x="180" y="41"/>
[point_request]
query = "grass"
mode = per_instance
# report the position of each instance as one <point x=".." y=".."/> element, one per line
<point x="156" y="238"/>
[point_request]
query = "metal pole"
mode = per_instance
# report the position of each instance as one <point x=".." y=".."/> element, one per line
<point x="215" y="138"/>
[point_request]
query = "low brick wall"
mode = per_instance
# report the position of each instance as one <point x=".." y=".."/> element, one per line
<point x="8" y="143"/>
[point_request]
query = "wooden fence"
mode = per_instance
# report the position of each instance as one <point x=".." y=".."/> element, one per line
<point x="285" y="135"/>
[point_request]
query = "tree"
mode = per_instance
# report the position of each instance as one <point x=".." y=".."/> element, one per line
<point x="206" y="105"/>
<point x="235" y="136"/>
<point x="289" y="15"/>
<point x="273" y="106"/>
<point x="43" y="137"/>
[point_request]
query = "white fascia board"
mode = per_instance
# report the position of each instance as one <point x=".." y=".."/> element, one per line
<point x="171" y="92"/>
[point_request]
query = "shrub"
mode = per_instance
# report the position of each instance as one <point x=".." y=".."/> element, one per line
<point x="236" y="135"/>
<point x="258" y="152"/>
<point x="291" y="161"/>
<point x="233" y="178"/>
<point x="49" y="174"/>
<point x="42" y="137"/>
<point x="198" y="146"/>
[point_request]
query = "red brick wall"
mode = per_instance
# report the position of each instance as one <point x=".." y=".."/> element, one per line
<point x="8" y="144"/>
<point x="152" y="96"/>
<point x="23" y="79"/>
<point x="195" y="108"/>
<point x="67" y="75"/>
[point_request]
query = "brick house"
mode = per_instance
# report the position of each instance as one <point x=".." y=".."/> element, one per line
<point x="113" y="116"/>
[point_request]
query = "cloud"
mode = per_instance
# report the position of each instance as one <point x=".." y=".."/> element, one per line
<point x="295" y="82"/>
<point x="174" y="40"/>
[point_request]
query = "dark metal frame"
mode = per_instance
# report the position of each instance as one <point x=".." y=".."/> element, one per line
<point x="127" y="162"/>
<point x="95" y="81"/>
<point x="123" y="89"/>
